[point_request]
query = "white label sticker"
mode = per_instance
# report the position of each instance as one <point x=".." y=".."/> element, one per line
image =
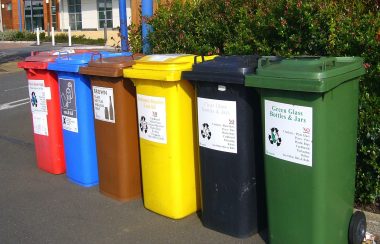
<point x="47" y="93"/>
<point x="152" y="118"/>
<point x="63" y="52"/>
<point x="70" y="123"/>
<point x="40" y="125"/>
<point x="163" y="57"/>
<point x="217" y="124"/>
<point x="37" y="96"/>
<point x="289" y="132"/>
<point x="103" y="104"/>
<point x="68" y="105"/>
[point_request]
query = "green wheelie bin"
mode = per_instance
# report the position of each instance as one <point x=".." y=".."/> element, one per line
<point x="309" y="114"/>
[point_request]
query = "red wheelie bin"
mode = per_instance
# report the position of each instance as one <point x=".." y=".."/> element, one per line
<point x="45" y="108"/>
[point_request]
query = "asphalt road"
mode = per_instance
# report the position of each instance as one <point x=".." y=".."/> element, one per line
<point x="11" y="52"/>
<point x="37" y="207"/>
<point x="16" y="51"/>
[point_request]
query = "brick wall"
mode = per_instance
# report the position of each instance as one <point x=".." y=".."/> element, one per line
<point x="11" y="17"/>
<point x="58" y="14"/>
<point x="6" y="15"/>
<point x="15" y="20"/>
<point x="47" y="14"/>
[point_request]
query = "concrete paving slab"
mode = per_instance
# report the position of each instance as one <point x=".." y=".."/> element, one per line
<point x="373" y="224"/>
<point x="9" y="67"/>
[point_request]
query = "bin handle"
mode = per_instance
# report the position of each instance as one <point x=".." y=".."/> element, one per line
<point x="266" y="60"/>
<point x="66" y="53"/>
<point x="96" y="54"/>
<point x="137" y="56"/>
<point x="328" y="62"/>
<point x="34" y="53"/>
<point x="196" y="58"/>
<point x="322" y="62"/>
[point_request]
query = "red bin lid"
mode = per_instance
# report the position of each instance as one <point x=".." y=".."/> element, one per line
<point x="40" y="60"/>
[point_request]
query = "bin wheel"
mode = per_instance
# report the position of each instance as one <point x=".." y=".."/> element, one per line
<point x="358" y="227"/>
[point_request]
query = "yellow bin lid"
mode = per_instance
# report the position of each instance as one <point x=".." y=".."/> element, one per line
<point x="163" y="67"/>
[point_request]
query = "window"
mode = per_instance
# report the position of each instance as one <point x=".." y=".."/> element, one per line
<point x="34" y="14"/>
<point x="9" y="6"/>
<point x="75" y="14"/>
<point x="105" y="13"/>
<point x="54" y="13"/>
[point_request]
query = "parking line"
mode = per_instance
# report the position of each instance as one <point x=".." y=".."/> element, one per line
<point x="12" y="89"/>
<point x="14" y="104"/>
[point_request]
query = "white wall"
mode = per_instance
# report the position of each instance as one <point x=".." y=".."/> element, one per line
<point x="115" y="13"/>
<point x="90" y="15"/>
<point x="63" y="15"/>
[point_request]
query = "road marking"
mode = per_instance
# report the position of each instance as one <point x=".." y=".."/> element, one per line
<point x="14" y="104"/>
<point x="12" y="89"/>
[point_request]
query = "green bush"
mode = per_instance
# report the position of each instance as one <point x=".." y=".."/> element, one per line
<point x="59" y="38"/>
<point x="6" y="35"/>
<point x="17" y="36"/>
<point x="81" y="39"/>
<point x="287" y="28"/>
<point x="134" y="38"/>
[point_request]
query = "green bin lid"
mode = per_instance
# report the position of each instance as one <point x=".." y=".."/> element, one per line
<point x="308" y="74"/>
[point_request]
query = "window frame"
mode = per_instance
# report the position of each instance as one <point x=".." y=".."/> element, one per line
<point x="108" y="10"/>
<point x="74" y="9"/>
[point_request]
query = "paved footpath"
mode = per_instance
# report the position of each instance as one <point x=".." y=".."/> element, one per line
<point x="6" y="45"/>
<point x="373" y="224"/>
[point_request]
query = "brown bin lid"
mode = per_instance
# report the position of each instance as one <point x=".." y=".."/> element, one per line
<point x="109" y="67"/>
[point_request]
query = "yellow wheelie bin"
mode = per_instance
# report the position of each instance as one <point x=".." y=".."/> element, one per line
<point x="167" y="134"/>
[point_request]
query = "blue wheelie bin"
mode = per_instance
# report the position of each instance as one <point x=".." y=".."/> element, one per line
<point x="78" y="116"/>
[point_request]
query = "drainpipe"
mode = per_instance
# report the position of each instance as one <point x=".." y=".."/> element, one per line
<point x="19" y="15"/>
<point x="105" y="22"/>
<point x="123" y="25"/>
<point x="61" y="14"/>
<point x="147" y="11"/>
<point x="1" y="19"/>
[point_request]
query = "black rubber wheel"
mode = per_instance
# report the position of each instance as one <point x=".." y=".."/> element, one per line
<point x="358" y="227"/>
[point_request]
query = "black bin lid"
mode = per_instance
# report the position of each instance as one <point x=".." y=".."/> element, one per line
<point x="223" y="69"/>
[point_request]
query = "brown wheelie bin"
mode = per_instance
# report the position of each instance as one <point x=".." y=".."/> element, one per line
<point x="114" y="101"/>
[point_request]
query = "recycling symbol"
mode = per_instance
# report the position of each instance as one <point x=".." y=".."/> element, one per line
<point x="205" y="132"/>
<point x="274" y="137"/>
<point x="143" y="125"/>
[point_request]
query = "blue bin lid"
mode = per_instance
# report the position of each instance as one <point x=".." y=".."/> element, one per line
<point x="72" y="62"/>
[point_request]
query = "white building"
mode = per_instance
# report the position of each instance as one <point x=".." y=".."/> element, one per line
<point x="90" y="15"/>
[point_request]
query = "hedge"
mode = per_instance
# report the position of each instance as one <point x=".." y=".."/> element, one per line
<point x="13" y="35"/>
<point x="286" y="28"/>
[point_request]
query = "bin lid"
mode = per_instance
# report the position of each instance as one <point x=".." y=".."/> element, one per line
<point x="72" y="62"/>
<point x="163" y="67"/>
<point x="308" y="74"/>
<point x="39" y="60"/>
<point x="109" y="67"/>
<point x="223" y="69"/>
